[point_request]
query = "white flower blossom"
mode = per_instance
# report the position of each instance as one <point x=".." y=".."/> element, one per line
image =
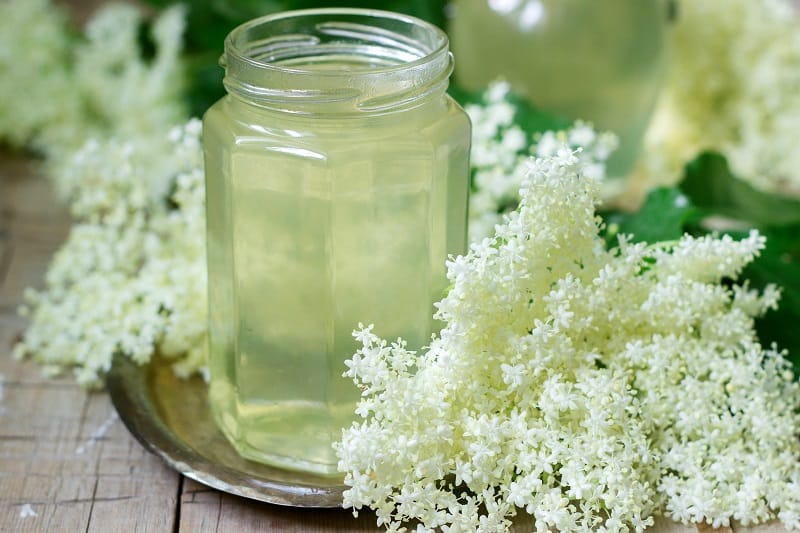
<point x="58" y="91"/>
<point x="731" y="87"/>
<point x="589" y="388"/>
<point x="37" y="88"/>
<point x="131" y="278"/>
<point x="500" y="151"/>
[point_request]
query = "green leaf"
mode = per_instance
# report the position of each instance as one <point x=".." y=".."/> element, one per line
<point x="712" y="187"/>
<point x="779" y="263"/>
<point x="665" y="216"/>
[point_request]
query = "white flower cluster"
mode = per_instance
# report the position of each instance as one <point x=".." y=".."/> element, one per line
<point x="131" y="95"/>
<point x="131" y="278"/>
<point x="732" y="87"/>
<point x="500" y="151"/>
<point x="590" y="388"/>
<point x="58" y="91"/>
<point x="36" y="88"/>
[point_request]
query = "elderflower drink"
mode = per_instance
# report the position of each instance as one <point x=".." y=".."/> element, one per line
<point x="596" y="60"/>
<point x="337" y="178"/>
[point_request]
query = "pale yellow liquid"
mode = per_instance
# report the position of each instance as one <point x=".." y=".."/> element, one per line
<point x="315" y="225"/>
<point x="596" y="60"/>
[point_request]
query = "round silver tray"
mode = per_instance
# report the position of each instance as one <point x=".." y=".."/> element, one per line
<point x="170" y="417"/>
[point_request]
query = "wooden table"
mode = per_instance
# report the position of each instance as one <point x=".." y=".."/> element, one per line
<point x="66" y="461"/>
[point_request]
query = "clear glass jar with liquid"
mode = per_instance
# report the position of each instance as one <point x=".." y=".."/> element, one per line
<point x="337" y="174"/>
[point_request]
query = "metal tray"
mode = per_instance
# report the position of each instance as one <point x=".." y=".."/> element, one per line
<point x="170" y="417"/>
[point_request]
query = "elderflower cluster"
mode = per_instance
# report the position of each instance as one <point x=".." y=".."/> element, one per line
<point x="36" y="88"/>
<point x="58" y="91"/>
<point x="501" y="148"/>
<point x="589" y="388"/>
<point x="131" y="278"/>
<point x="132" y="95"/>
<point x="732" y="87"/>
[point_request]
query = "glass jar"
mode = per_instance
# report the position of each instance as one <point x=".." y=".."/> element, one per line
<point x="596" y="60"/>
<point x="337" y="174"/>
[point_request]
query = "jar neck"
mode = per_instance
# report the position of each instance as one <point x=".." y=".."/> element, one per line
<point x="337" y="62"/>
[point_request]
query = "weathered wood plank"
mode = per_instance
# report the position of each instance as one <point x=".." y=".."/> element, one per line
<point x="207" y="510"/>
<point x="65" y="456"/>
<point x="770" y="527"/>
<point x="22" y="191"/>
<point x="5" y="232"/>
<point x="5" y="251"/>
<point x="66" y="461"/>
<point x="33" y="224"/>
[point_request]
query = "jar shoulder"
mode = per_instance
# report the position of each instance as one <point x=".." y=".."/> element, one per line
<point x="231" y="122"/>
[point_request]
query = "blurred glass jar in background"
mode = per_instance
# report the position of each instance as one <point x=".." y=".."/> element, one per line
<point x="597" y="60"/>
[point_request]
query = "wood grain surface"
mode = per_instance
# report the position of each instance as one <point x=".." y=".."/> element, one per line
<point x="66" y="461"/>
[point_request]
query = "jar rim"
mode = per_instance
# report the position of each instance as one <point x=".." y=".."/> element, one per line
<point x="336" y="61"/>
<point x="231" y="44"/>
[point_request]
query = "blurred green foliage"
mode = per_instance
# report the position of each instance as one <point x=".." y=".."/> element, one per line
<point x="210" y="21"/>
